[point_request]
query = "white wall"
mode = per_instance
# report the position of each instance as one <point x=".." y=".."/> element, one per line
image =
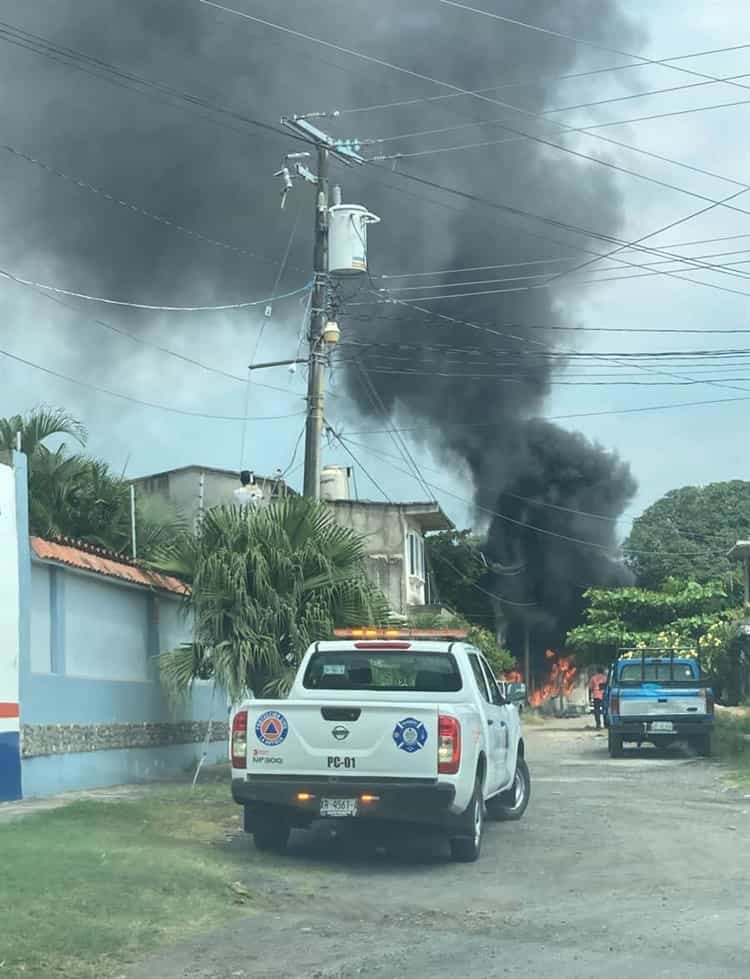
<point x="106" y="630"/>
<point x="9" y="608"/>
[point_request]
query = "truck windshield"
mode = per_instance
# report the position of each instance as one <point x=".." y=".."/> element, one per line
<point x="656" y="672"/>
<point x="382" y="670"/>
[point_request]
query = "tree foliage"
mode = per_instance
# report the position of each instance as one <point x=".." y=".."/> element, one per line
<point x="76" y="495"/>
<point x="264" y="585"/>
<point x="688" y="532"/>
<point x="459" y="573"/>
<point x="499" y="658"/>
<point x="680" y="614"/>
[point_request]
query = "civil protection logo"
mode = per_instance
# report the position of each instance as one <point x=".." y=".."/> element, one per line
<point x="271" y="728"/>
<point x="410" y="735"/>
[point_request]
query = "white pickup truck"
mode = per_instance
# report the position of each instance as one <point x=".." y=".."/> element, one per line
<point x="382" y="726"/>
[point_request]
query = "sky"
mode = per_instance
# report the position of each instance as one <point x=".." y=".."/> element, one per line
<point x="665" y="449"/>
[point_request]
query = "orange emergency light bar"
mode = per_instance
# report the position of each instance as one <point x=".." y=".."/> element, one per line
<point x="368" y="633"/>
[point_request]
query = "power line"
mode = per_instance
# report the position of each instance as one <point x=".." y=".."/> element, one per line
<point x="484" y="591"/>
<point x="398" y="441"/>
<point x="567" y="417"/>
<point x="521" y="83"/>
<point x="720" y="384"/>
<point x="123" y="78"/>
<point x="146" y="404"/>
<point x="577" y="40"/>
<point x="133" y="305"/>
<point x="356" y="461"/>
<point x="258" y="339"/>
<point x="520" y="212"/>
<point x="528" y="526"/>
<point x="155" y="346"/>
<point x="422" y="77"/>
<point x="590" y="130"/>
<point x="441" y="131"/>
<point x="554" y="506"/>
<point x="562" y="259"/>
<point x="625" y="274"/>
<point x="134" y="208"/>
<point x="456" y="88"/>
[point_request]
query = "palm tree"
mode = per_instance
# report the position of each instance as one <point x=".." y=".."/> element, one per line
<point x="74" y="495"/>
<point x="264" y="585"/>
<point x="36" y="427"/>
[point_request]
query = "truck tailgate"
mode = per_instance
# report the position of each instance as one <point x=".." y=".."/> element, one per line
<point x="657" y="701"/>
<point x="371" y="739"/>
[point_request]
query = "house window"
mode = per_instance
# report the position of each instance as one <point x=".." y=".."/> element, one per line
<point x="416" y="556"/>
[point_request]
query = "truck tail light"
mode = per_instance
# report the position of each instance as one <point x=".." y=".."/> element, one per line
<point x="449" y="745"/>
<point x="239" y="740"/>
<point x="614" y="703"/>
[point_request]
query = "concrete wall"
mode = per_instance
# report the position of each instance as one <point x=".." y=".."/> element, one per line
<point x="385" y="531"/>
<point x="79" y="652"/>
<point x="92" y="708"/>
<point x="10" y="759"/>
<point x="183" y="488"/>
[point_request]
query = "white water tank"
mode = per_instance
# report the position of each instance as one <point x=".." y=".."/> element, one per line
<point x="347" y="239"/>
<point x="334" y="482"/>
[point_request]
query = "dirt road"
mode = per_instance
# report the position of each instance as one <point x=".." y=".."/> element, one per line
<point x="629" y="868"/>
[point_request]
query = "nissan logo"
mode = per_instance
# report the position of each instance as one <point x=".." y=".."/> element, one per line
<point x="340" y="733"/>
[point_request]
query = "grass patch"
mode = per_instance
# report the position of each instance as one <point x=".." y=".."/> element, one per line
<point x="91" y="886"/>
<point x="732" y="743"/>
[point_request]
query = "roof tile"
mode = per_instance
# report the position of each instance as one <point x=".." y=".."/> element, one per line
<point x="109" y="567"/>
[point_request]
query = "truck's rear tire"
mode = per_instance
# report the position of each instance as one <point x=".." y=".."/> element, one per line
<point x="467" y="847"/>
<point x="703" y="745"/>
<point x="511" y="805"/>
<point x="270" y="830"/>
<point x="614" y="743"/>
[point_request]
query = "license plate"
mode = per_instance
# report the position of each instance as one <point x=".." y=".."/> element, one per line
<point x="338" y="807"/>
<point x="662" y="726"/>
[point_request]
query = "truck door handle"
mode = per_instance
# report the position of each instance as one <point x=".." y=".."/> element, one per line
<point x="490" y="722"/>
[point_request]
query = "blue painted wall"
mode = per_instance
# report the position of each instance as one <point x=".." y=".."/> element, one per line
<point x="88" y="655"/>
<point x="97" y="769"/>
<point x="10" y="766"/>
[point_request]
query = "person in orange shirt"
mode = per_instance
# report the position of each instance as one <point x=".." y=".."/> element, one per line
<point x="597" y="683"/>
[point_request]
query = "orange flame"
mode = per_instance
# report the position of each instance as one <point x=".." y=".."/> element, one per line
<point x="560" y="682"/>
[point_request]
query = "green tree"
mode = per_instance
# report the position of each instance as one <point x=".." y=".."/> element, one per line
<point x="264" y="585"/>
<point x="682" y="614"/>
<point x="36" y="428"/>
<point x="460" y="573"/>
<point x="499" y="658"/>
<point x="687" y="534"/>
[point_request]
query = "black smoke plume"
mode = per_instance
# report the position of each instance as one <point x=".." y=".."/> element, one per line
<point x="129" y="123"/>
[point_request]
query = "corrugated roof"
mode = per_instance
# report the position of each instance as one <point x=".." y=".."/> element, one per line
<point x="97" y="561"/>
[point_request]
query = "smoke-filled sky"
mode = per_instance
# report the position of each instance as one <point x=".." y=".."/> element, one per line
<point x="470" y="397"/>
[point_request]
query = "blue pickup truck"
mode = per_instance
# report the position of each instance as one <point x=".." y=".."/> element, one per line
<point x="658" y="697"/>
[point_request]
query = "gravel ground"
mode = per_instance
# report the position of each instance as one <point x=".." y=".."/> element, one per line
<point x="630" y="868"/>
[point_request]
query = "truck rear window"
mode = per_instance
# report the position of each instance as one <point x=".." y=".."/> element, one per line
<point x="382" y="670"/>
<point x="655" y="672"/>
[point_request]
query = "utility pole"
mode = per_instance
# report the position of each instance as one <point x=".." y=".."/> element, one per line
<point x="324" y="332"/>
<point x="318" y="319"/>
